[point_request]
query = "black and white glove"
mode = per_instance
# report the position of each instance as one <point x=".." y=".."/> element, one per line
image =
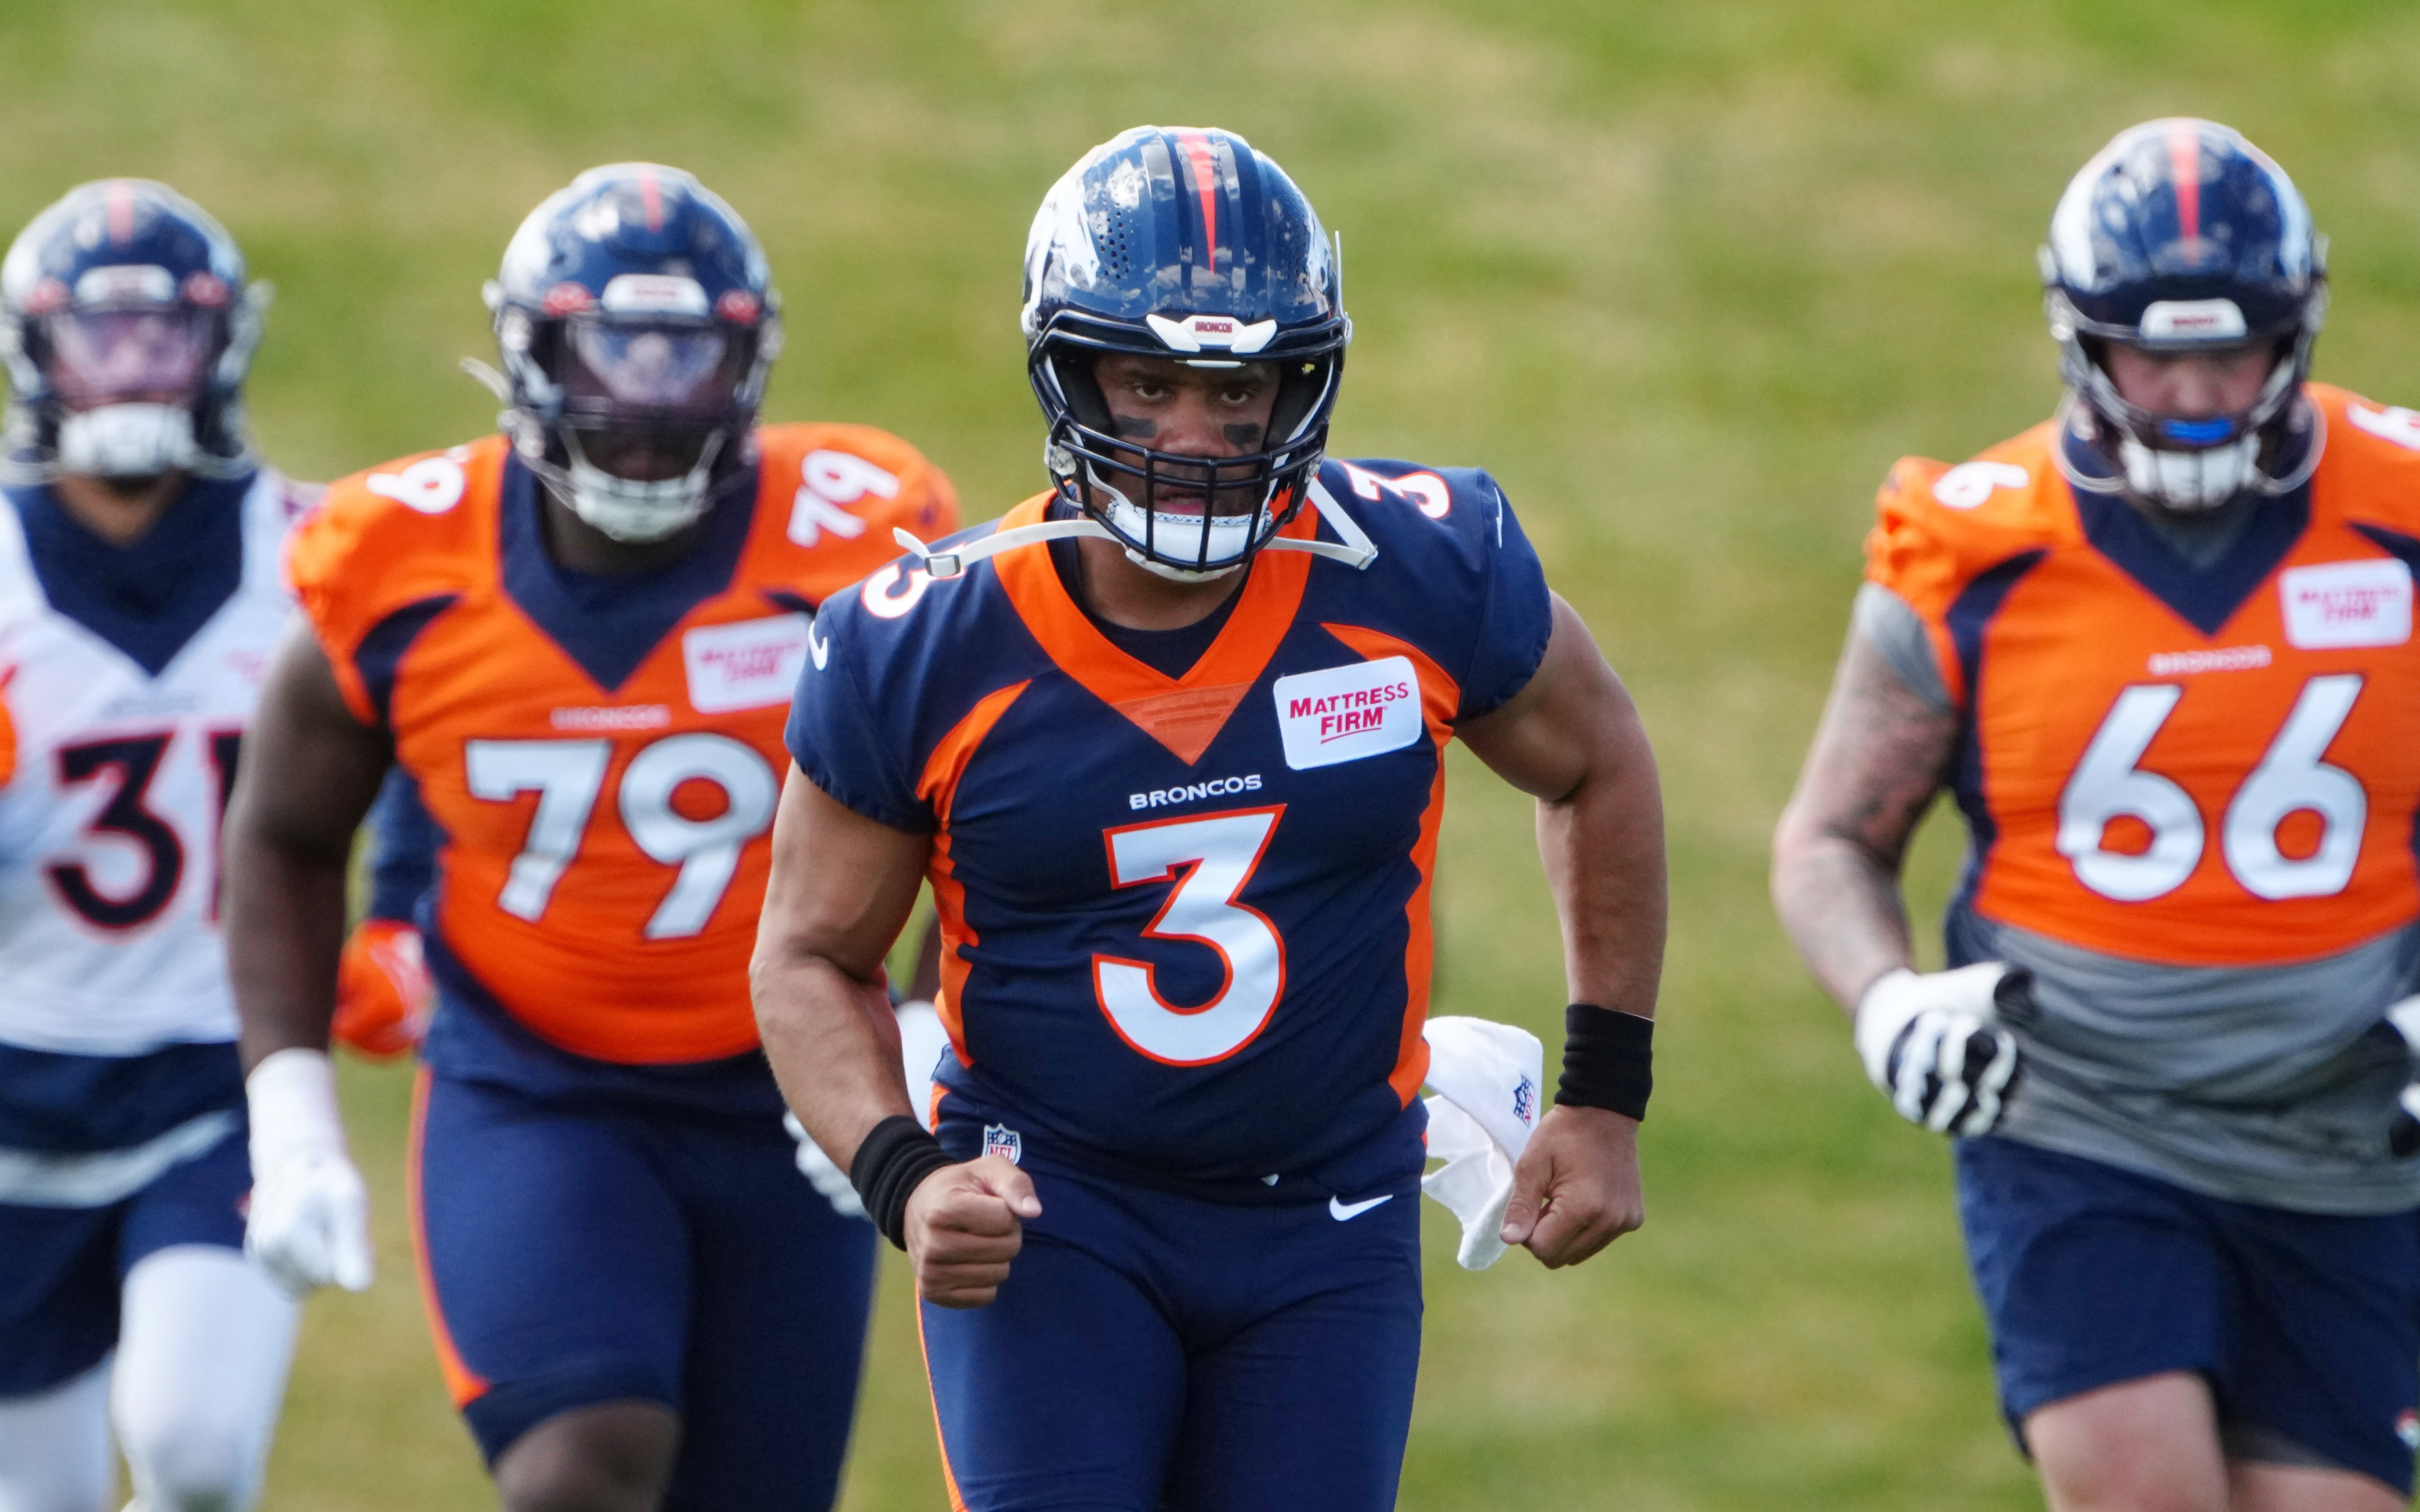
<point x="1933" y="1043"/>
<point x="2404" y="1139"/>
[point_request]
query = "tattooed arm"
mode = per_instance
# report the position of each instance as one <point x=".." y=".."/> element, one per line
<point x="1880" y="755"/>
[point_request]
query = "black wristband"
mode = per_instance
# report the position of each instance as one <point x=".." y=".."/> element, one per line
<point x="891" y="1162"/>
<point x="1608" y="1061"/>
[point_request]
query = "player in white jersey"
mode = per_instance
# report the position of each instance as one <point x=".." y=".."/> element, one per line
<point x="140" y="592"/>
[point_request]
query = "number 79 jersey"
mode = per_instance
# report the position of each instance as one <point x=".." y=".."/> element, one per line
<point x="2201" y="766"/>
<point x="1186" y="920"/>
<point x="601" y="755"/>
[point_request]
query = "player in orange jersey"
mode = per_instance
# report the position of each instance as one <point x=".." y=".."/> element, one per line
<point x="578" y="638"/>
<point x="2160" y="650"/>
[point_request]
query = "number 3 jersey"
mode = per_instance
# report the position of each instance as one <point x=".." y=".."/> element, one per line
<point x="1185" y="918"/>
<point x="128" y="674"/>
<point x="601" y="755"/>
<point x="2190" y="766"/>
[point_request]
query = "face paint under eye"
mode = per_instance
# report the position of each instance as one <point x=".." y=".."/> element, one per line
<point x="1246" y="437"/>
<point x="1134" y="428"/>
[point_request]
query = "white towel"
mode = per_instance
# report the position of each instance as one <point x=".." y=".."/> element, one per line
<point x="923" y="1041"/>
<point x="1489" y="1079"/>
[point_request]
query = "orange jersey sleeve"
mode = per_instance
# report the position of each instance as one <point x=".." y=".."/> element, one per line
<point x="833" y="494"/>
<point x="1938" y="528"/>
<point x="384" y="541"/>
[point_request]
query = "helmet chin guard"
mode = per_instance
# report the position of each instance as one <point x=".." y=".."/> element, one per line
<point x="635" y="513"/>
<point x="127" y="441"/>
<point x="2191" y="481"/>
<point x="1227" y="540"/>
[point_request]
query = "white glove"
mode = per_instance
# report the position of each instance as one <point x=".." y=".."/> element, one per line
<point x="1489" y="1082"/>
<point x="308" y="1224"/>
<point x="921" y="1039"/>
<point x="831" y="1183"/>
<point x="1934" y="1044"/>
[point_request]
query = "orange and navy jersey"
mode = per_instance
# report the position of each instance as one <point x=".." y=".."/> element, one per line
<point x="1185" y="917"/>
<point x="2199" y="765"/>
<point x="601" y="755"/>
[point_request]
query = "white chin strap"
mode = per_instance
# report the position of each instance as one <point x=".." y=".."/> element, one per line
<point x="1356" y="552"/>
<point x="2191" y="481"/>
<point x="638" y="513"/>
<point x="127" y="441"/>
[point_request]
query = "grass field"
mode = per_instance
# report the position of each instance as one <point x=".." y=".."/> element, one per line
<point x="1687" y="278"/>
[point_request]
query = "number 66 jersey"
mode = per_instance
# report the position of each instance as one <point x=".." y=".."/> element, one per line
<point x="601" y="755"/>
<point x="2190" y="766"/>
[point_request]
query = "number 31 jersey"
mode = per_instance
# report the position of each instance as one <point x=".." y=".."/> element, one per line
<point x="1186" y="920"/>
<point x="2191" y="787"/>
<point x="123" y="729"/>
<point x="601" y="755"/>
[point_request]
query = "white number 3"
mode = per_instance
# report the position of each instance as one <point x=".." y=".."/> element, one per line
<point x="2291" y="778"/>
<point x="1210" y="859"/>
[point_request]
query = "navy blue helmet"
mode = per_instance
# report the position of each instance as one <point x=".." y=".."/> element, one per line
<point x="127" y="326"/>
<point x="2179" y="236"/>
<point x="638" y="323"/>
<point x="1185" y="244"/>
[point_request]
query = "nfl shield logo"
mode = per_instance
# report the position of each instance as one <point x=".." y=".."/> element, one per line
<point x="1524" y="1102"/>
<point x="1003" y="1141"/>
<point x="2407" y="1427"/>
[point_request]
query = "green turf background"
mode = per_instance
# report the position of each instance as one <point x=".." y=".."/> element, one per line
<point x="1686" y="277"/>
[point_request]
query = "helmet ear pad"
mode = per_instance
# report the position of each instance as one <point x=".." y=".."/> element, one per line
<point x="1072" y="368"/>
<point x="1301" y="388"/>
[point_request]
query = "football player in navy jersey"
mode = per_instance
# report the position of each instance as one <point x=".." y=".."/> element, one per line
<point x="140" y="596"/>
<point x="1168" y="740"/>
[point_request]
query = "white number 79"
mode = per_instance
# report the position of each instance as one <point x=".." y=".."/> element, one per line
<point x="567" y="776"/>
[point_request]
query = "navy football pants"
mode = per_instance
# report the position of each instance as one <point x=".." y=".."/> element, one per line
<point x="1151" y="1351"/>
<point x="2305" y="1325"/>
<point x="583" y="1254"/>
<point x="62" y="1270"/>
